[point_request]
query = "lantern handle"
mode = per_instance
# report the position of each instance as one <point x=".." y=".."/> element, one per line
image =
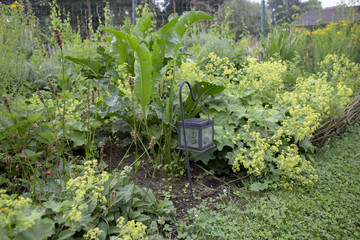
<point x="183" y="127"/>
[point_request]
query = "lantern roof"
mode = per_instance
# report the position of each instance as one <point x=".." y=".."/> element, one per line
<point x="197" y="122"/>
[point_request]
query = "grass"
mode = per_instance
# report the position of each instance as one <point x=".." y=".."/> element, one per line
<point x="329" y="210"/>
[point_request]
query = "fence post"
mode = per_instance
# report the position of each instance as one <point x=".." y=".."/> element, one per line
<point x="263" y="18"/>
<point x="134" y="5"/>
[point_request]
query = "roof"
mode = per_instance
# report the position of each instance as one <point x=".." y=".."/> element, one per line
<point x="327" y="15"/>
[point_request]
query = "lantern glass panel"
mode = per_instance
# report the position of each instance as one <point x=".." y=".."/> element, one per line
<point x="192" y="136"/>
<point x="207" y="135"/>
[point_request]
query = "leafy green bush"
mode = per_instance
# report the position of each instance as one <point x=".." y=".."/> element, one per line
<point x="89" y="203"/>
<point x="142" y="60"/>
<point x="281" y="43"/>
<point x="18" y="42"/>
<point x="269" y="126"/>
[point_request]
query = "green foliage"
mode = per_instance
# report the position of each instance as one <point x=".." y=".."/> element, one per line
<point x="91" y="200"/>
<point x="217" y="38"/>
<point x="269" y="123"/>
<point x="281" y="44"/>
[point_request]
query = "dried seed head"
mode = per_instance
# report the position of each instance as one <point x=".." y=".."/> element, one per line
<point x="84" y="115"/>
<point x="112" y="196"/>
<point x="17" y="168"/>
<point x="57" y="36"/>
<point x="51" y="150"/>
<point x="57" y="142"/>
<point x="38" y="166"/>
<point x="131" y="84"/>
<point x="152" y="142"/>
<point x="158" y="89"/>
<point x="15" y="180"/>
<point x="52" y="88"/>
<point x="101" y="148"/>
<point x="140" y="117"/>
<point x="92" y="96"/>
<point x="8" y="160"/>
<point x="40" y="95"/>
<point x="35" y="126"/>
<point x="133" y="135"/>
<point x="6" y="102"/>
<point x="88" y="100"/>
<point x="98" y="92"/>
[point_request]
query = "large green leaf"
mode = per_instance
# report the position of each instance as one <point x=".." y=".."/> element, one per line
<point x="188" y="18"/>
<point x="42" y="229"/>
<point x="78" y="138"/>
<point x="94" y="66"/>
<point x="142" y="26"/>
<point x="118" y="45"/>
<point x="65" y="234"/>
<point x="175" y="35"/>
<point x="159" y="46"/>
<point x="4" y="233"/>
<point x="143" y="75"/>
<point x="205" y="90"/>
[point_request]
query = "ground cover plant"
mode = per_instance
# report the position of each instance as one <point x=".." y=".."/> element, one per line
<point x="117" y="91"/>
<point x="329" y="210"/>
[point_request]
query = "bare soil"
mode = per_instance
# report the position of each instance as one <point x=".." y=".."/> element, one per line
<point x="164" y="184"/>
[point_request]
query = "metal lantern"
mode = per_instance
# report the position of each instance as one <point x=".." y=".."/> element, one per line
<point x="198" y="133"/>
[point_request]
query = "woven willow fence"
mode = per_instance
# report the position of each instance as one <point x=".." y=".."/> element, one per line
<point x="349" y="116"/>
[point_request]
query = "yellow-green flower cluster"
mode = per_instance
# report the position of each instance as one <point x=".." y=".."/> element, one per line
<point x="122" y="81"/>
<point x="71" y="106"/>
<point x="89" y="184"/>
<point x="309" y="102"/>
<point x="10" y="207"/>
<point x="341" y="70"/>
<point x="291" y="166"/>
<point x="264" y="76"/>
<point x="254" y="158"/>
<point x="93" y="234"/>
<point x="131" y="230"/>
<point x="190" y="72"/>
<point x="262" y="151"/>
<point x="75" y="212"/>
<point x="222" y="68"/>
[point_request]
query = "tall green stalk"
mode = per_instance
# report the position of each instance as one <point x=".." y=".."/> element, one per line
<point x="63" y="164"/>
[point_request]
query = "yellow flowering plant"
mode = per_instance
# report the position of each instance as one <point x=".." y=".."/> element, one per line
<point x="337" y="38"/>
<point x="86" y="205"/>
<point x="20" y="220"/>
<point x="341" y="69"/>
<point x="270" y="124"/>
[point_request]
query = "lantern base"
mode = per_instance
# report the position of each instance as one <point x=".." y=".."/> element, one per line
<point x="196" y="150"/>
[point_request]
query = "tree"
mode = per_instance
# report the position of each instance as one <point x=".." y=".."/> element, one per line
<point x="283" y="11"/>
<point x="310" y="5"/>
<point x="246" y="16"/>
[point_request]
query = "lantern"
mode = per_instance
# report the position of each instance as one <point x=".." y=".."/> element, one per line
<point x="199" y="134"/>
